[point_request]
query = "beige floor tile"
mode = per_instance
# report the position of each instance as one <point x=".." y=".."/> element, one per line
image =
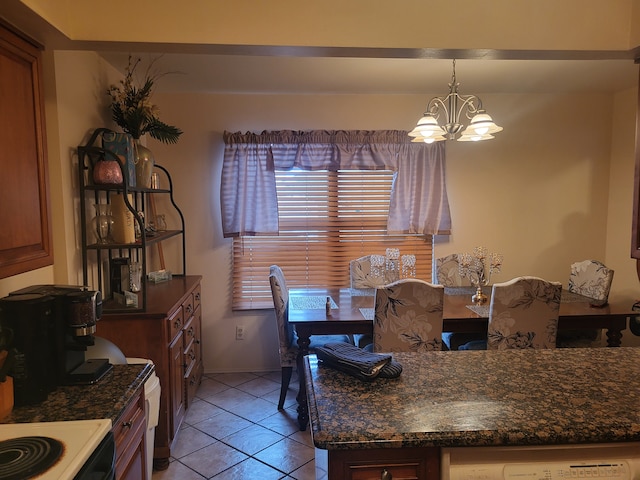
<point x="252" y="439"/>
<point x="259" y="386"/>
<point x="213" y="459"/>
<point x="223" y="425"/>
<point x="287" y="455"/>
<point x="250" y="469"/>
<point x="234" y="379"/>
<point x="177" y="471"/>
<point x="190" y="440"/>
<point x="201" y="410"/>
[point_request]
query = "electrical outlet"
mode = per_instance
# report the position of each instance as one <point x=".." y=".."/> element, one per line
<point x="239" y="332"/>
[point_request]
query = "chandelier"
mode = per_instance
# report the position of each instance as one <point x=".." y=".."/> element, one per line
<point x="452" y="107"/>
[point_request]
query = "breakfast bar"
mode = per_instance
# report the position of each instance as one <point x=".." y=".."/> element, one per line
<point x="535" y="398"/>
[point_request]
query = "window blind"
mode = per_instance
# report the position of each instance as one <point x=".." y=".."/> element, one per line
<point x="326" y="219"/>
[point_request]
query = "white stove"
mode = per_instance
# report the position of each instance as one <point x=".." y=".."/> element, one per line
<point x="79" y="440"/>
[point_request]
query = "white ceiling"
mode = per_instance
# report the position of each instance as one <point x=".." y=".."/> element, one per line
<point x="322" y="75"/>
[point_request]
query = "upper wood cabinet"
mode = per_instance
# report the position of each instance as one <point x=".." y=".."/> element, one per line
<point x="25" y="221"/>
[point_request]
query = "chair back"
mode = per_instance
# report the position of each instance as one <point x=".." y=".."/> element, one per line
<point x="408" y="317"/>
<point x="523" y="313"/>
<point x="591" y="279"/>
<point x="361" y="274"/>
<point x="280" y="294"/>
<point x="448" y="272"/>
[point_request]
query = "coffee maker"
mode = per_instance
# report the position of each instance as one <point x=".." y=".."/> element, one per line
<point x="47" y="329"/>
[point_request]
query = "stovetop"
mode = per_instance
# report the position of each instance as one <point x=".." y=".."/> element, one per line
<point x="79" y="438"/>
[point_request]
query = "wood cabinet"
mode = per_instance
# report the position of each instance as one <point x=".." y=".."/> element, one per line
<point x="26" y="243"/>
<point x="129" y="436"/>
<point x="168" y="333"/>
<point x="385" y="464"/>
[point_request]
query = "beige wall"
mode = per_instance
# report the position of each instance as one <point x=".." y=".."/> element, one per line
<point x="543" y="201"/>
<point x="499" y="24"/>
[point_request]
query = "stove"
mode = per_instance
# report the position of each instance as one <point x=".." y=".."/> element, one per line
<point x="51" y="450"/>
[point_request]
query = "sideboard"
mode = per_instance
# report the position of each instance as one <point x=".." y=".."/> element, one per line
<point x="169" y="333"/>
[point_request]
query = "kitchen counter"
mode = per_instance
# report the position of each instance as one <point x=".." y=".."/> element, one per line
<point x="105" y="399"/>
<point x="480" y="398"/>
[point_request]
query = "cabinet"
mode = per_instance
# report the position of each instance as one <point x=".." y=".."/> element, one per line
<point x="26" y="243"/>
<point x="385" y="464"/>
<point x="169" y="333"/>
<point x="129" y="437"/>
<point x="107" y="264"/>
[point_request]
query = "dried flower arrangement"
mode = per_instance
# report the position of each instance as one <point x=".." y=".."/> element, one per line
<point x="131" y="106"/>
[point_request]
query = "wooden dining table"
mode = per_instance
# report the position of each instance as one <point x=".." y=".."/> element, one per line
<point x="352" y="313"/>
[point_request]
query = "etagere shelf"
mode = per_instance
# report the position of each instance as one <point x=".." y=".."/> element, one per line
<point x="99" y="270"/>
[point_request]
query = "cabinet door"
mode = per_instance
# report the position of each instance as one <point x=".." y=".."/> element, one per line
<point x="176" y="372"/>
<point x="130" y="442"/>
<point x="25" y="217"/>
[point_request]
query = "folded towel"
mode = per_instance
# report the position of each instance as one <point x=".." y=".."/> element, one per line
<point x="357" y="362"/>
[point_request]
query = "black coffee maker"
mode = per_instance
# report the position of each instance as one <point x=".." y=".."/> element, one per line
<point x="47" y="329"/>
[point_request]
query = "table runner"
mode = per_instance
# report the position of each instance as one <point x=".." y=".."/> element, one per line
<point x="311" y="302"/>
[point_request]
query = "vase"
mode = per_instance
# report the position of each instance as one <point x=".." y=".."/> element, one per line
<point x="144" y="165"/>
<point x="102" y="223"/>
<point x="107" y="172"/>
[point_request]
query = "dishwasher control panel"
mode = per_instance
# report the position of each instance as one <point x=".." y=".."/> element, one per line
<point x="601" y="461"/>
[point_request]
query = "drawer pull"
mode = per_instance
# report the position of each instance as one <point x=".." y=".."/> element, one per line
<point x="197" y="341"/>
<point x="189" y="309"/>
<point x="192" y="355"/>
<point x="198" y="296"/>
<point x="127" y="424"/>
<point x="192" y="381"/>
<point x="385" y="475"/>
<point x="191" y="331"/>
<point x="177" y="324"/>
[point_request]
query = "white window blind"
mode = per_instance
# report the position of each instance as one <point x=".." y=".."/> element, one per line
<point x="326" y="219"/>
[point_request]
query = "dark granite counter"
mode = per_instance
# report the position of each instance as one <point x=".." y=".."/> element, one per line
<point x="474" y="398"/>
<point x="105" y="399"/>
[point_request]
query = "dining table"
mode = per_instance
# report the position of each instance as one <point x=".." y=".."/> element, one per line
<point x="352" y="311"/>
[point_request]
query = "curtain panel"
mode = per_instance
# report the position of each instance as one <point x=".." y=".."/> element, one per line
<point x="248" y="196"/>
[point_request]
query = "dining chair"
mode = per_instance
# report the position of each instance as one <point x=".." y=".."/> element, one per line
<point x="523" y="313"/>
<point x="287" y="339"/>
<point x="363" y="275"/>
<point x="408" y="317"/>
<point x="448" y="274"/>
<point x="589" y="278"/>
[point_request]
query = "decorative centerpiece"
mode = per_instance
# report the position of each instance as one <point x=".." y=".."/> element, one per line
<point x="132" y="110"/>
<point x="474" y="267"/>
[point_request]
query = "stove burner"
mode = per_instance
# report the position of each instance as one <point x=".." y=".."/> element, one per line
<point x="25" y="457"/>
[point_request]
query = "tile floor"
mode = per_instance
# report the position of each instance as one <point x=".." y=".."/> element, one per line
<point x="234" y="430"/>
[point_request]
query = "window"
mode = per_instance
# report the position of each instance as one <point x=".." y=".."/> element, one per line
<point x="326" y="218"/>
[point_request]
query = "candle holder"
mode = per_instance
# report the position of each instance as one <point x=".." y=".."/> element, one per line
<point x="478" y="268"/>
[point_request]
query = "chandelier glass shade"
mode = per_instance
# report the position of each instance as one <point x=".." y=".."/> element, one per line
<point x="455" y="109"/>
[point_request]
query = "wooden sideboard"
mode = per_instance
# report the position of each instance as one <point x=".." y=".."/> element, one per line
<point x="168" y="333"/>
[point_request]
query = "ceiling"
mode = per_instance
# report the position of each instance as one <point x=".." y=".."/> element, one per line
<point x="263" y="74"/>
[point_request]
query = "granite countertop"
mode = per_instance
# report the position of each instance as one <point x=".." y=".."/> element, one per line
<point x="105" y="399"/>
<point x="481" y="398"/>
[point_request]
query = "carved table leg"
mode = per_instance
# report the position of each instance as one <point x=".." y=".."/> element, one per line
<point x="303" y="349"/>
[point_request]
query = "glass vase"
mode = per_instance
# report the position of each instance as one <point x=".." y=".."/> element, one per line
<point x="102" y="223"/>
<point x="144" y="162"/>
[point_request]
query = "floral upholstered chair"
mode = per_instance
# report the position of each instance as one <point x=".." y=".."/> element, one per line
<point x="287" y="338"/>
<point x="448" y="272"/>
<point x="592" y="279"/>
<point x="361" y="274"/>
<point x="523" y="313"/>
<point x="408" y="317"/>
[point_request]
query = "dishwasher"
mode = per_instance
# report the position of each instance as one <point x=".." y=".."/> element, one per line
<point x="619" y="461"/>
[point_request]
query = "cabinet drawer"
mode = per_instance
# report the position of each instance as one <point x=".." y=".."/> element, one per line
<point x="128" y="433"/>
<point x="196" y="297"/>
<point x="175" y="324"/>
<point x="376" y="472"/>
<point x="187" y="306"/>
<point x="190" y="331"/>
<point x="189" y="358"/>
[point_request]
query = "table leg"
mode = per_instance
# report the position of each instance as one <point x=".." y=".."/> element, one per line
<point x="303" y="349"/>
<point x="614" y="337"/>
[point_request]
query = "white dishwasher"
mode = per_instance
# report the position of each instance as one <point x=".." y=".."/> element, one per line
<point x="620" y="461"/>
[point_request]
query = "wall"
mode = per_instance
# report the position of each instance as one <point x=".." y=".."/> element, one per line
<point x="538" y="193"/>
